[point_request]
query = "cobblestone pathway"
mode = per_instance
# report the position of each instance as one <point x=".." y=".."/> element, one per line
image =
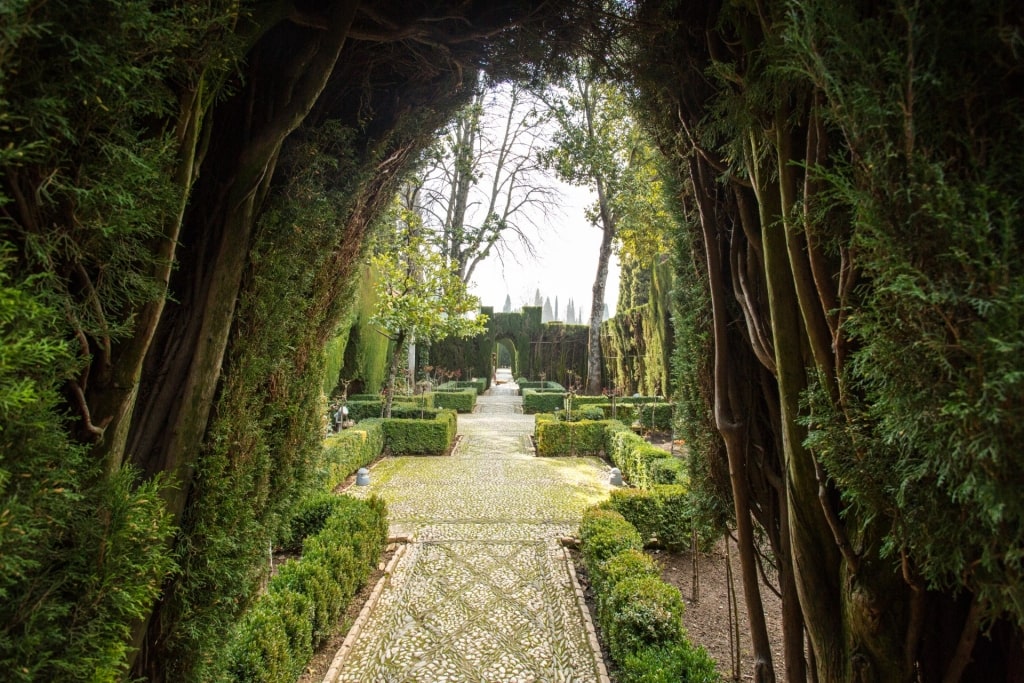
<point x="484" y="591"/>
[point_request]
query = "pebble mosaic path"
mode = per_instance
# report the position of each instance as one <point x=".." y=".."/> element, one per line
<point x="483" y="592"/>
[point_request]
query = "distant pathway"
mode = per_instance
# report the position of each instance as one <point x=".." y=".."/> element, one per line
<point x="484" y="592"/>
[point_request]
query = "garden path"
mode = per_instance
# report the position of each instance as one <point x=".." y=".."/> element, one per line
<point x="483" y="591"/>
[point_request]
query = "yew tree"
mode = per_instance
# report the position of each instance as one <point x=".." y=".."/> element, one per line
<point x="851" y="191"/>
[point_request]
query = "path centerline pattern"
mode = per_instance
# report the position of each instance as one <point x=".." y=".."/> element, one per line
<point x="484" y="591"/>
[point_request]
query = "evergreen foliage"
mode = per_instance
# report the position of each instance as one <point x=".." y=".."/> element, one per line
<point x="850" y="195"/>
<point x="366" y="351"/>
<point x="343" y="541"/>
<point x="81" y="555"/>
<point x="347" y="451"/>
<point x="640" y="615"/>
<point x="560" y="438"/>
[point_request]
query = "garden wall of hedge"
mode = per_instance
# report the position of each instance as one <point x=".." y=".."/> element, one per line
<point x="348" y="450"/>
<point x="557" y="438"/>
<point x="477" y="384"/>
<point x="411" y="407"/>
<point x="532" y="384"/>
<point x="642" y="464"/>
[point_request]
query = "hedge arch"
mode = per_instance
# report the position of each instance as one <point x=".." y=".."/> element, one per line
<point x="555" y="349"/>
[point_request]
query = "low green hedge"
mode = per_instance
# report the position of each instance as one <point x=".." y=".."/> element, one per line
<point x="640" y="615"/>
<point x="411" y="407"/>
<point x="655" y="417"/>
<point x="642" y="464"/>
<point x="555" y="437"/>
<point x="424" y="400"/>
<point x="459" y="400"/>
<point x="623" y="411"/>
<point x="277" y="637"/>
<point x="535" y="401"/>
<point x="619" y="400"/>
<point x="432" y="435"/>
<point x="623" y="565"/>
<point x="477" y="384"/>
<point x="662" y="512"/>
<point x="604" y="533"/>
<point x="669" y="664"/>
<point x="348" y="450"/>
<point x="537" y="385"/>
<point x="310" y="517"/>
<point x="642" y="612"/>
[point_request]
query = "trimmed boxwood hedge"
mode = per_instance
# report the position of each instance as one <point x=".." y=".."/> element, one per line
<point x="540" y="386"/>
<point x="656" y="417"/>
<point x="350" y="449"/>
<point x="554" y="437"/>
<point x="640" y="615"/>
<point x="432" y="435"/>
<point x="459" y="400"/>
<point x="669" y="664"/>
<point x="619" y="400"/>
<point x="477" y="384"/>
<point x="642" y="464"/>
<point x="662" y="512"/>
<point x="402" y="406"/>
<point x="642" y="612"/>
<point x="535" y="401"/>
<point x="604" y="533"/>
<point x="278" y="635"/>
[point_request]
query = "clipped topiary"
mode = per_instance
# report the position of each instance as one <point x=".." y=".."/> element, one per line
<point x="668" y="470"/>
<point x="628" y="564"/>
<point x="274" y="640"/>
<point x="676" y="663"/>
<point x="642" y="612"/>
<point x="604" y="533"/>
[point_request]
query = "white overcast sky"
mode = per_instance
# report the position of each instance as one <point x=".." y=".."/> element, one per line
<point x="567" y="248"/>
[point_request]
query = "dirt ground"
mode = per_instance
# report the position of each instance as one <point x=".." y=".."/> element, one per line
<point x="707" y="619"/>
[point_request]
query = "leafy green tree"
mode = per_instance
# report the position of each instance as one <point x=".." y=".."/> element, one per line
<point x="598" y="143"/>
<point x="419" y="295"/>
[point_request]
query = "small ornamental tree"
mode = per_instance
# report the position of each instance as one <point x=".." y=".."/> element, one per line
<point x="419" y="296"/>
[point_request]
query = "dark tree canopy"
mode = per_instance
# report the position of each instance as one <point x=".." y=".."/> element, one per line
<point x="187" y="190"/>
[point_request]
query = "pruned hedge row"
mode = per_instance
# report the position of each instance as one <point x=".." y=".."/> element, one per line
<point x="412" y="407"/>
<point x="555" y="437"/>
<point x="459" y="400"/>
<point x="662" y="512"/>
<point x="350" y="449"/>
<point x="642" y="464"/>
<point x="656" y="417"/>
<point x="619" y="401"/>
<point x="432" y="435"/>
<point x="538" y="385"/>
<point x="478" y="384"/>
<point x="537" y="401"/>
<point x="641" y="616"/>
<point x="278" y="635"/>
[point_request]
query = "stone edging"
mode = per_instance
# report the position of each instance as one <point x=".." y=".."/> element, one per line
<point x="595" y="647"/>
<point x="339" y="658"/>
